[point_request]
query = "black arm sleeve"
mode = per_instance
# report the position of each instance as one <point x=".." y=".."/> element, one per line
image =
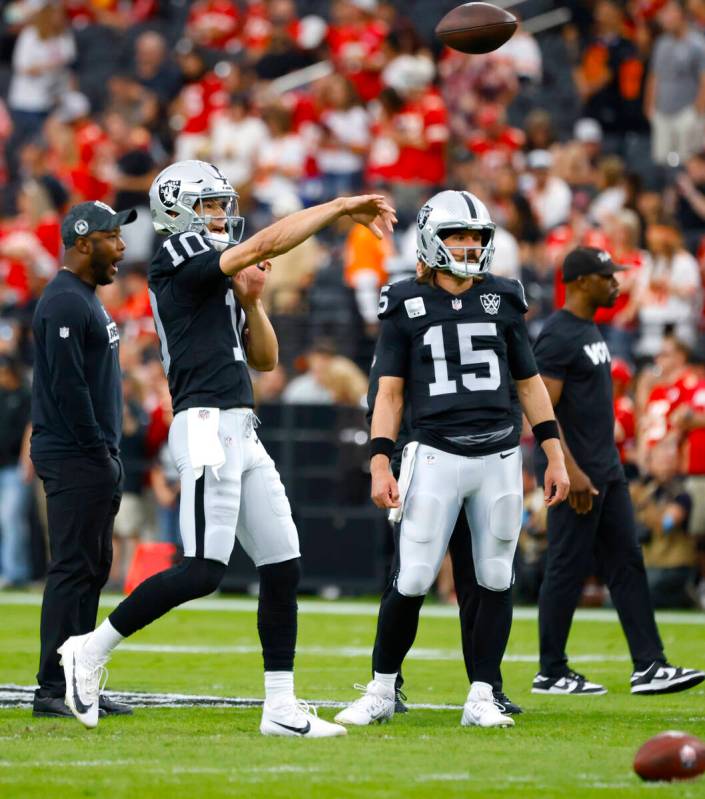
<point x="520" y="356"/>
<point x="66" y="321"/>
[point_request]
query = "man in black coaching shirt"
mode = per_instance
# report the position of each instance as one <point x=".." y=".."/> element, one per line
<point x="76" y="429"/>
<point x="598" y="519"/>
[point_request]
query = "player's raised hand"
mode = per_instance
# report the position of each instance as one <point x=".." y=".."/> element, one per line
<point x="385" y="491"/>
<point x="556" y="484"/>
<point x="371" y="210"/>
<point x="249" y="283"/>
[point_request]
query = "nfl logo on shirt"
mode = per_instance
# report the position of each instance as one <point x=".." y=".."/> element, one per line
<point x="490" y="303"/>
<point x="456" y="304"/>
<point x="64" y="332"/>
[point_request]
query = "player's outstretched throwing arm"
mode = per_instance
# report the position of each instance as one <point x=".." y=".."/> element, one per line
<point x="371" y="210"/>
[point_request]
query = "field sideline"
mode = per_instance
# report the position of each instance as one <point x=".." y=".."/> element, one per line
<point x="567" y="747"/>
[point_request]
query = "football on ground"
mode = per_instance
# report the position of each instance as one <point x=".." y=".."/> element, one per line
<point x="670" y="756"/>
<point x="476" y="27"/>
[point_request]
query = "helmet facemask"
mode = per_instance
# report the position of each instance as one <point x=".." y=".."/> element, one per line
<point x="471" y="264"/>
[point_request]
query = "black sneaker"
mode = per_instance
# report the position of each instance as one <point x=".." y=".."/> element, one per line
<point x="109" y="707"/>
<point x="572" y="683"/>
<point x="54" y="707"/>
<point x="50" y="707"/>
<point x="505" y="704"/>
<point x="662" y="678"/>
<point x="399" y="699"/>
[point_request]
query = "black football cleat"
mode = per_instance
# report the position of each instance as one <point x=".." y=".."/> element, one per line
<point x="50" y="707"/>
<point x="109" y="707"/>
<point x="399" y="699"/>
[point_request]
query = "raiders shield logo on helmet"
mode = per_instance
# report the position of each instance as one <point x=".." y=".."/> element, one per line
<point x="169" y="192"/>
<point x="490" y="303"/>
<point x="423" y="215"/>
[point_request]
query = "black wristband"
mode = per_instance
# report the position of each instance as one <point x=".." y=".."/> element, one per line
<point x="545" y="430"/>
<point x="381" y="446"/>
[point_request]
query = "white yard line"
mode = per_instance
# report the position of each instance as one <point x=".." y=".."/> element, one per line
<point x="342" y="608"/>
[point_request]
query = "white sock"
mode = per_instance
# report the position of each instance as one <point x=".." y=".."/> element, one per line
<point x="102" y="641"/>
<point x="278" y="687"/>
<point x="388" y="680"/>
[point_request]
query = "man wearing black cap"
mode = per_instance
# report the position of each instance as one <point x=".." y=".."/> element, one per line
<point x="77" y="423"/>
<point x="597" y="522"/>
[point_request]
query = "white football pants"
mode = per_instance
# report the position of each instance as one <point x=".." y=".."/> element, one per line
<point x="489" y="488"/>
<point x="247" y="501"/>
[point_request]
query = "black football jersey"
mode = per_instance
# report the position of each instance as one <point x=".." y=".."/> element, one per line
<point x="458" y="355"/>
<point x="200" y="325"/>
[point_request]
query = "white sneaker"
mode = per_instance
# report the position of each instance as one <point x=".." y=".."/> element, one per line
<point x="297" y="719"/>
<point x="480" y="710"/>
<point x="84" y="676"/>
<point x="375" y="704"/>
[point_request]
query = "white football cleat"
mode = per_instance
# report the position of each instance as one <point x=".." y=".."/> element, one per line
<point x="480" y="710"/>
<point x="297" y="719"/>
<point x="83" y="680"/>
<point x="375" y="705"/>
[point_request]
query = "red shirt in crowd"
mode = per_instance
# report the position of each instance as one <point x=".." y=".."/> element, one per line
<point x="200" y="100"/>
<point x="214" y="23"/>
<point x="694" y="445"/>
<point x="662" y="401"/>
<point x="351" y="47"/>
<point x="624" y="424"/>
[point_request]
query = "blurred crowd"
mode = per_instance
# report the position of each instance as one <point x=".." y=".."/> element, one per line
<point x="586" y="127"/>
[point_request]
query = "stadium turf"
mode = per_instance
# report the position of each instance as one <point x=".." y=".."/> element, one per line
<point x="561" y="747"/>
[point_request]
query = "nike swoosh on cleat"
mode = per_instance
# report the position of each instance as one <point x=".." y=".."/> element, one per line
<point x="80" y="707"/>
<point x="297" y="730"/>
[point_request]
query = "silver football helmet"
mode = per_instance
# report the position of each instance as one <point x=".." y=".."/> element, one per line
<point x="175" y="199"/>
<point x="454" y="210"/>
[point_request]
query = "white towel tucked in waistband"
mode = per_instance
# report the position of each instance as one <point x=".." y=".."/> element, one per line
<point x="204" y="447"/>
<point x="406" y="472"/>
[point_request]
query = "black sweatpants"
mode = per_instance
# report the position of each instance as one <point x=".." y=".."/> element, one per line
<point x="83" y="497"/>
<point x="608" y="534"/>
<point x="467" y="591"/>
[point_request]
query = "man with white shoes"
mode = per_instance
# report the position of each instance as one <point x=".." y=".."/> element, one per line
<point x="455" y="340"/>
<point x="205" y="291"/>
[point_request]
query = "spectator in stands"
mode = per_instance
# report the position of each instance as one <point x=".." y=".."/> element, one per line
<point x="668" y="292"/>
<point x="130" y="521"/>
<point x="344" y="127"/>
<point x="662" y="506"/>
<point x="166" y="485"/>
<point x="214" y="24"/>
<point x="690" y="201"/>
<point x="154" y="68"/>
<point x="610" y="77"/>
<point x="549" y="195"/>
<point x="624" y="420"/>
<point x="611" y="191"/>
<point x="310" y="388"/>
<point x="44" y="51"/>
<point x="346" y="382"/>
<point x="355" y="41"/>
<point x="15" y="566"/>
<point x="281" y="158"/>
<point x="674" y="99"/>
<point x="236" y="135"/>
<point x="201" y="96"/>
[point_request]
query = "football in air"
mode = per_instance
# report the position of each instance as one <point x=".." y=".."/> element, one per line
<point x="670" y="756"/>
<point x="476" y="27"/>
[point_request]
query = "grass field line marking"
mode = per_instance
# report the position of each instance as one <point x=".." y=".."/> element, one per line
<point x="21" y="696"/>
<point x="323" y="607"/>
<point x="416" y="653"/>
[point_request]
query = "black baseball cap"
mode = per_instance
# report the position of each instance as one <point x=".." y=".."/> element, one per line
<point x="588" y="261"/>
<point x="86" y="218"/>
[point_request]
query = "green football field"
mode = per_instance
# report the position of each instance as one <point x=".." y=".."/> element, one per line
<point x="561" y="747"/>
